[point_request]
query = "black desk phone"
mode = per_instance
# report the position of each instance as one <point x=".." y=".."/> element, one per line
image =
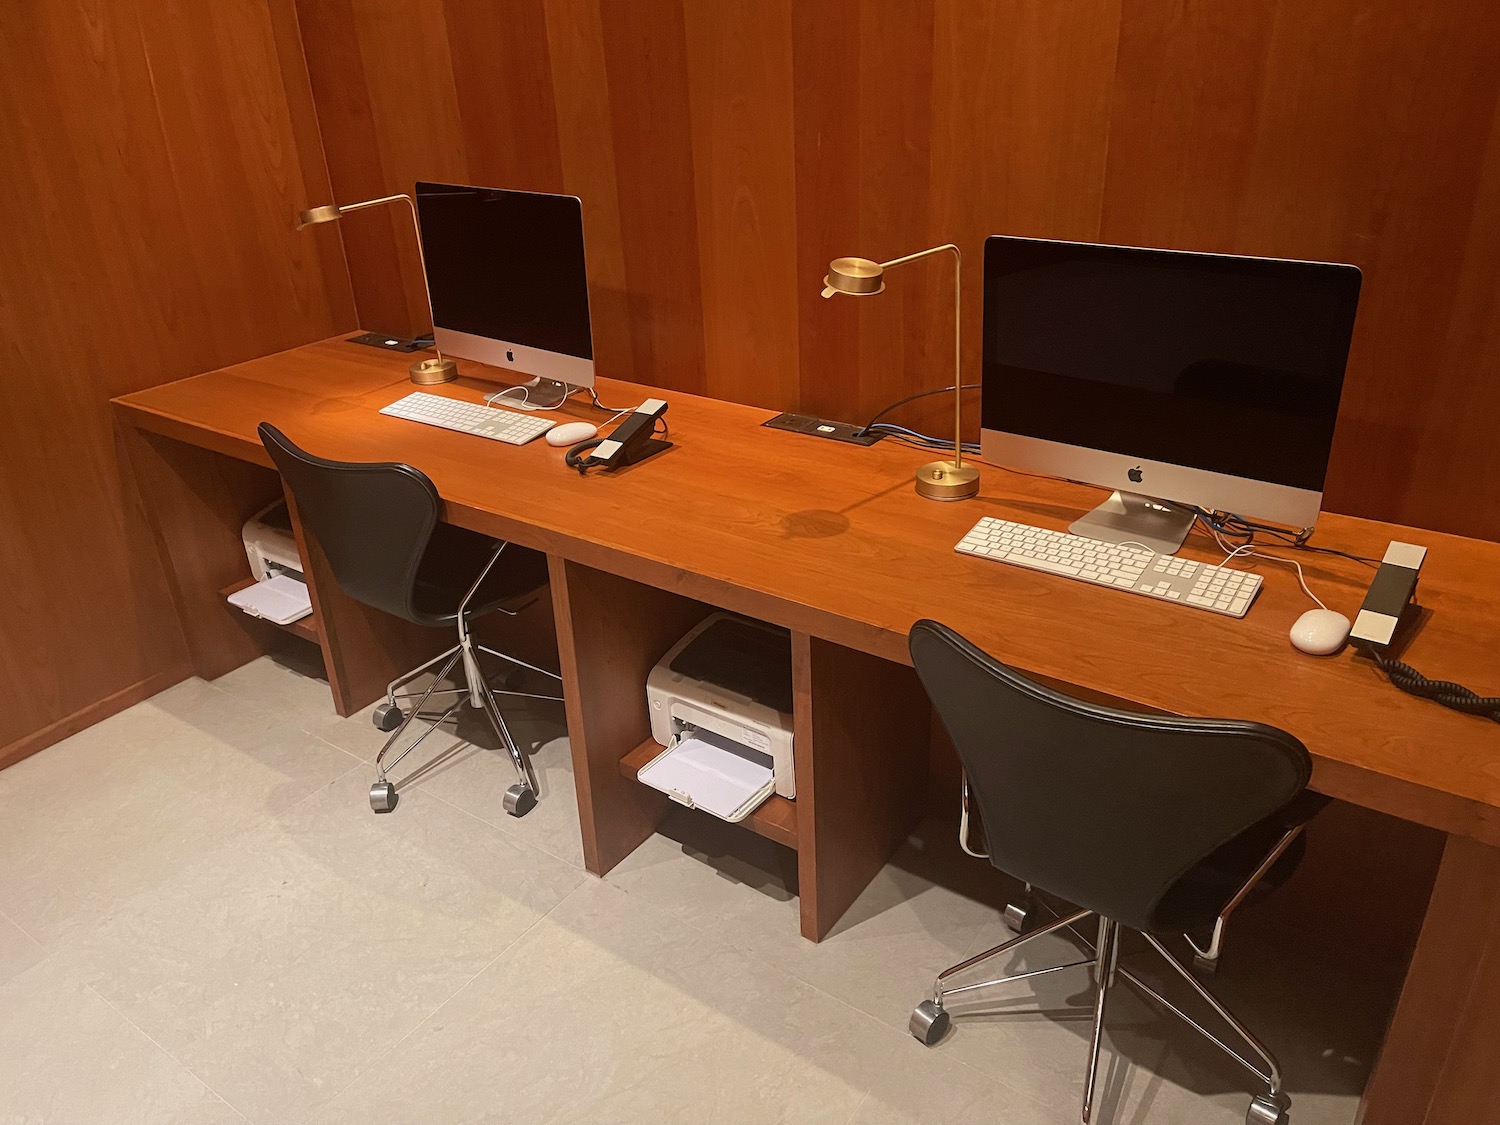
<point x="633" y="440"/>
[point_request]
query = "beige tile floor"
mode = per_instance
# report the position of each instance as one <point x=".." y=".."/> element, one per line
<point x="202" y="921"/>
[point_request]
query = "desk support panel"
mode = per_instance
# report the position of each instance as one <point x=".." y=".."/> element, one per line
<point x="1439" y="1062"/>
<point x="197" y="502"/>
<point x="610" y="634"/>
<point x="863" y="734"/>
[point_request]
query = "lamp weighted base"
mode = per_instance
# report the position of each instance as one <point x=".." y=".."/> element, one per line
<point x="430" y="371"/>
<point x="943" y="480"/>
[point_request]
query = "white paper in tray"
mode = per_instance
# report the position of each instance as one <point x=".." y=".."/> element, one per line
<point x="700" y="773"/>
<point x="280" y="599"/>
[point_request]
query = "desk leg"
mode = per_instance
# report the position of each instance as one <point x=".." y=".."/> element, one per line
<point x="610" y="634"/>
<point x="863" y="732"/>
<point x="1441" y="1061"/>
<point x="197" y="502"/>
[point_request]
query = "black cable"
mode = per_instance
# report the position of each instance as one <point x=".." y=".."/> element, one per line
<point x="578" y="456"/>
<point x="915" y="437"/>
<point x="911" y="398"/>
<point x="1449" y="694"/>
<point x="594" y="395"/>
<point x="1237" y="527"/>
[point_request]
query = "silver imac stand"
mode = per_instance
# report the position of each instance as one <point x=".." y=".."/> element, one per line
<point x="546" y="394"/>
<point x="1128" y="518"/>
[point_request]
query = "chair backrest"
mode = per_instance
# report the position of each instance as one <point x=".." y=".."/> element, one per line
<point x="1107" y="809"/>
<point x="372" y="521"/>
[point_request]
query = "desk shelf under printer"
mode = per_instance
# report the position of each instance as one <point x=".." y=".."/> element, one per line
<point x="728" y="681"/>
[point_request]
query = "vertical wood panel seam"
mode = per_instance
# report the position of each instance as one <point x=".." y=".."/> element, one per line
<point x="296" y="18"/>
<point x="1109" y="127"/>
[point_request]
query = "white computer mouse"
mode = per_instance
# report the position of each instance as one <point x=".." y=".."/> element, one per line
<point x="1320" y="632"/>
<point x="571" y="433"/>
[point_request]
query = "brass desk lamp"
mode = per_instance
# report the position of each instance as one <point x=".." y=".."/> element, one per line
<point x="860" y="277"/>
<point x="425" y="372"/>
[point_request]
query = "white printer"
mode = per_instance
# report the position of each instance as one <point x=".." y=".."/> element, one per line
<point x="270" y="543"/>
<point x="280" y="591"/>
<point x="721" y="706"/>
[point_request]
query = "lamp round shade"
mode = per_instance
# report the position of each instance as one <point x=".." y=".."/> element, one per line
<point x="858" y="277"/>
<point x="325" y="214"/>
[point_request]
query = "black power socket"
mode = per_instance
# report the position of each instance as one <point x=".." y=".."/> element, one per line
<point x="821" y="427"/>
<point x="389" y="343"/>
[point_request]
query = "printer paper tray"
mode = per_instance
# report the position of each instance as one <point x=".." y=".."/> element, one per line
<point x="281" y="599"/>
<point x="703" y="772"/>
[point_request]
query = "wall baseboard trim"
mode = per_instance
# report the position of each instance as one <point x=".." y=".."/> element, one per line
<point x="95" y="712"/>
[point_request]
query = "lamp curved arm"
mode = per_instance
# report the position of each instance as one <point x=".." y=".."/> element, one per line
<point x="920" y="254"/>
<point x="335" y="211"/>
<point x="958" y="336"/>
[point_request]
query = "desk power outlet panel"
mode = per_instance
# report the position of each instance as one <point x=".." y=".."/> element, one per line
<point x="821" y="427"/>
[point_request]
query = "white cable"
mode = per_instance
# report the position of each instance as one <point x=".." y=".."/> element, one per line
<point x="525" y="402"/>
<point x="1249" y="549"/>
<point x="617" y="414"/>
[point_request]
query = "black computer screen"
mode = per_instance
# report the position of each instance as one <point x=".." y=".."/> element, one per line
<point x="507" y="265"/>
<point x="1228" y="364"/>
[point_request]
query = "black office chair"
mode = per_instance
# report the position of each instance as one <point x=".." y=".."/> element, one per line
<point x="379" y="527"/>
<point x="1151" y="822"/>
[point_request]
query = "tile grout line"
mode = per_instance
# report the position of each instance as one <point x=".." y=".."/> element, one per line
<point x="25" y="933"/>
<point x="375" y="1060"/>
<point x="509" y="836"/>
<point x="359" y="762"/>
<point x="268" y="818"/>
<point x="202" y="859"/>
<point x="853" y="1117"/>
<point x="150" y="1039"/>
<point x="767" y="962"/>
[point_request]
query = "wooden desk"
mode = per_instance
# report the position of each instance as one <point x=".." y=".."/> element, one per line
<point x="830" y="541"/>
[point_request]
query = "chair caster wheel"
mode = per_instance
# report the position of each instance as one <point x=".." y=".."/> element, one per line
<point x="387" y="717"/>
<point x="1020" y="916"/>
<point x="519" y="800"/>
<point x="1269" y="1109"/>
<point x="928" y="1023"/>
<point x="514" y="679"/>
<point x="383" y="796"/>
<point x="1204" y="966"/>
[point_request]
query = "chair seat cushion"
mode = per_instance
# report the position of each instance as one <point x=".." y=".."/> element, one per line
<point x="454" y="558"/>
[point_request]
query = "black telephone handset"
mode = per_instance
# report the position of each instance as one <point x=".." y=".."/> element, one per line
<point x="633" y="440"/>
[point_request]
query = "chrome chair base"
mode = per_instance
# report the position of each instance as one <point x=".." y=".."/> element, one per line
<point x="476" y="691"/>
<point x="1267" y="1109"/>
<point x="930" y="1021"/>
<point x="383" y="796"/>
<point x="520" y="799"/>
<point x="1206" y="956"/>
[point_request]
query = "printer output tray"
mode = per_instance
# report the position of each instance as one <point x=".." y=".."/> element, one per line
<point x="705" y="771"/>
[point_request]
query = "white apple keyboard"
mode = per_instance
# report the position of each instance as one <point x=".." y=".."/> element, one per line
<point x="475" y="418"/>
<point x="1136" y="570"/>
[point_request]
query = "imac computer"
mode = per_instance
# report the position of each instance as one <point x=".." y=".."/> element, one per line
<point x="508" y="281"/>
<point x="1180" y="380"/>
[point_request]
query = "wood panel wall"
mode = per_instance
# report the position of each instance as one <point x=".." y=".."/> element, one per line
<point x="155" y="155"/>
<point x="726" y="149"/>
